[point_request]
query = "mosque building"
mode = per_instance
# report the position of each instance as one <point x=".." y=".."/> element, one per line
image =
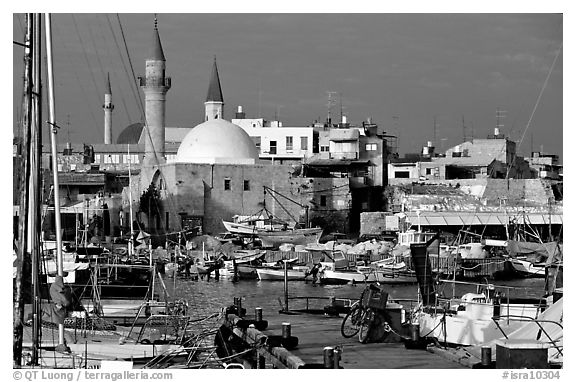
<point x="216" y="172"/>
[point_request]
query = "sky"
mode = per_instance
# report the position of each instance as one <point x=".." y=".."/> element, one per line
<point x="437" y="77"/>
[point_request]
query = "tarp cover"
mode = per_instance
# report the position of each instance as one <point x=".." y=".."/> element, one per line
<point x="536" y="252"/>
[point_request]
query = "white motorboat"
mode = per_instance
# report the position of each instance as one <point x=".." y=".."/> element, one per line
<point x="475" y="318"/>
<point x="277" y="273"/>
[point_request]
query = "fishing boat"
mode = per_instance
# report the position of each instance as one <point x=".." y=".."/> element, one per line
<point x="296" y="236"/>
<point x="530" y="259"/>
<point x="281" y="270"/>
<point x="386" y="271"/>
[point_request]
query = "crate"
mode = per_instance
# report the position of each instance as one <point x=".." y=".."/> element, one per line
<point x="375" y="299"/>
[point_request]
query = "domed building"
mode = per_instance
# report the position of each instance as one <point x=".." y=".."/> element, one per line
<point x="215" y="175"/>
<point x="217" y="141"/>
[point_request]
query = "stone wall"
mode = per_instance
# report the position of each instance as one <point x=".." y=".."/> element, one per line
<point x="200" y="190"/>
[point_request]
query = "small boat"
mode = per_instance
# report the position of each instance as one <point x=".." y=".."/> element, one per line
<point x="528" y="268"/>
<point x="278" y="272"/>
<point x="384" y="272"/>
<point x="296" y="236"/>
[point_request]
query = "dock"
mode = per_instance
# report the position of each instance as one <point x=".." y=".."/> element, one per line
<point x="315" y="332"/>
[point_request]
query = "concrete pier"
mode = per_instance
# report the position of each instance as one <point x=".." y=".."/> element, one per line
<point x="316" y="333"/>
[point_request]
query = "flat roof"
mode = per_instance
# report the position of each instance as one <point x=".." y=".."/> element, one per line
<point x="460" y="218"/>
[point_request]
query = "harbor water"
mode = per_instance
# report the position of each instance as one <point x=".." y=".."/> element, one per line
<point x="209" y="296"/>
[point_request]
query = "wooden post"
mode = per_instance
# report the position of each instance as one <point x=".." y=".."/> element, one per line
<point x="415" y="332"/>
<point x="328" y="357"/>
<point x="286" y="285"/>
<point x="486" y="355"/>
<point x="258" y="313"/>
<point x="286" y="330"/>
<point x="337" y="356"/>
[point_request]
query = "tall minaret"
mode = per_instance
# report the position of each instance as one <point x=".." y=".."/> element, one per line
<point x="108" y="107"/>
<point x="214" y="105"/>
<point x="155" y="87"/>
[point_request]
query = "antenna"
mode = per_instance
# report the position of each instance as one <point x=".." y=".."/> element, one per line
<point x="259" y="98"/>
<point x="463" y="130"/>
<point x="396" y="118"/>
<point x="331" y="102"/>
<point x="68" y="125"/>
<point x="341" y="107"/>
<point x="499" y="114"/>
<point x="435" y="127"/>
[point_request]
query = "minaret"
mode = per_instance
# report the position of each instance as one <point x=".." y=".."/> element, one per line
<point x="155" y="86"/>
<point x="108" y="107"/>
<point x="214" y="105"/>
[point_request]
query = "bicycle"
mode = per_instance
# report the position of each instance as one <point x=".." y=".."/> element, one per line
<point x="360" y="317"/>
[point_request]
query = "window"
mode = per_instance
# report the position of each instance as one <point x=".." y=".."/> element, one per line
<point x="112" y="158"/>
<point x="303" y="143"/>
<point x="97" y="158"/>
<point x="272" y="147"/>
<point x="289" y="143"/>
<point x="323" y="200"/>
<point x="246" y="185"/>
<point x="371" y="146"/>
<point x="132" y="158"/>
<point x="324" y="148"/>
<point x="257" y="142"/>
<point x="226" y="184"/>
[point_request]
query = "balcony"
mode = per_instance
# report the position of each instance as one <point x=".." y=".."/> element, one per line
<point x="360" y="181"/>
<point x="351" y="155"/>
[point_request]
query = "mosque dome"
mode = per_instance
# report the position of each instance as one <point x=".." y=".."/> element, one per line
<point x="131" y="134"/>
<point x="217" y="141"/>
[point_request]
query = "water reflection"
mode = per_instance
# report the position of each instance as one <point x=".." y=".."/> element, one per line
<point x="206" y="297"/>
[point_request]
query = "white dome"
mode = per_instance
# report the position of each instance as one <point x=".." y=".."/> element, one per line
<point x="217" y="141"/>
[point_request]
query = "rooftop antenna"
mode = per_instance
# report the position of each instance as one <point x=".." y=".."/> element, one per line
<point x="259" y="98"/>
<point x="68" y="124"/>
<point x="396" y="118"/>
<point x="435" y="129"/>
<point x="499" y="115"/>
<point x="463" y="130"/>
<point x="331" y="102"/>
<point x="341" y="107"/>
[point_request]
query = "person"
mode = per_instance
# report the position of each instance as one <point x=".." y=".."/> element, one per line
<point x="314" y="272"/>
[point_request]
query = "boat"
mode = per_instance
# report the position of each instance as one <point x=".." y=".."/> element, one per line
<point x="72" y="335"/>
<point x="471" y="319"/>
<point x="385" y="271"/>
<point x="296" y="236"/>
<point x="531" y="259"/>
<point x="279" y="272"/>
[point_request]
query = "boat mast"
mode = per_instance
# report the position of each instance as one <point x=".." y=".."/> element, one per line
<point x="21" y="250"/>
<point x="131" y="242"/>
<point x="53" y="133"/>
<point x="35" y="183"/>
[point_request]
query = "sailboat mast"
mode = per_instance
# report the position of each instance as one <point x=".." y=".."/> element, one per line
<point x="23" y="202"/>
<point x="131" y="242"/>
<point x="53" y="133"/>
<point x="34" y="185"/>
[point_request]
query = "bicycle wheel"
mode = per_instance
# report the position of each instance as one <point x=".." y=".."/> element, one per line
<point x="365" y="325"/>
<point x="349" y="327"/>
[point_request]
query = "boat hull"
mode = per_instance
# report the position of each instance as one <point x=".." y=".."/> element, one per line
<point x="296" y="237"/>
<point x="268" y="274"/>
<point x="528" y="269"/>
<point x="356" y="276"/>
